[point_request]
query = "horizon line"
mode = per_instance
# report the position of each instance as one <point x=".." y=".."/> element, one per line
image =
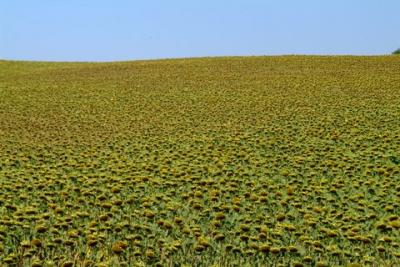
<point x="191" y="57"/>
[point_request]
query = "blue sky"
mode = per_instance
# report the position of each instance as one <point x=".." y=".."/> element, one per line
<point x="96" y="30"/>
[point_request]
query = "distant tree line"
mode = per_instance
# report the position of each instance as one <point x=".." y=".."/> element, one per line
<point x="396" y="52"/>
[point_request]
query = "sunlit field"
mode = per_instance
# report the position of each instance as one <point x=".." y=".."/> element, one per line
<point x="242" y="161"/>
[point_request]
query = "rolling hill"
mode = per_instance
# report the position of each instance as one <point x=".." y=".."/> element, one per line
<point x="230" y="161"/>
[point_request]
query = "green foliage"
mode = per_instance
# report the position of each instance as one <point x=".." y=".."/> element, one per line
<point x="396" y="52"/>
<point x="277" y="161"/>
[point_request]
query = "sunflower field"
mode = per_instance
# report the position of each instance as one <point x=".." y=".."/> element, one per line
<point x="230" y="161"/>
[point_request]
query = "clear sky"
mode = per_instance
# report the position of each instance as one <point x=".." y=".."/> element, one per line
<point x="97" y="30"/>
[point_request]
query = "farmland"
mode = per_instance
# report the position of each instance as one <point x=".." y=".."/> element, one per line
<point x="236" y="161"/>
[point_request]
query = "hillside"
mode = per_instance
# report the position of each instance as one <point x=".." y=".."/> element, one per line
<point x="230" y="161"/>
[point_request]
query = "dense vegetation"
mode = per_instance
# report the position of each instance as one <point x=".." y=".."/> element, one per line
<point x="396" y="52"/>
<point x="196" y="162"/>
